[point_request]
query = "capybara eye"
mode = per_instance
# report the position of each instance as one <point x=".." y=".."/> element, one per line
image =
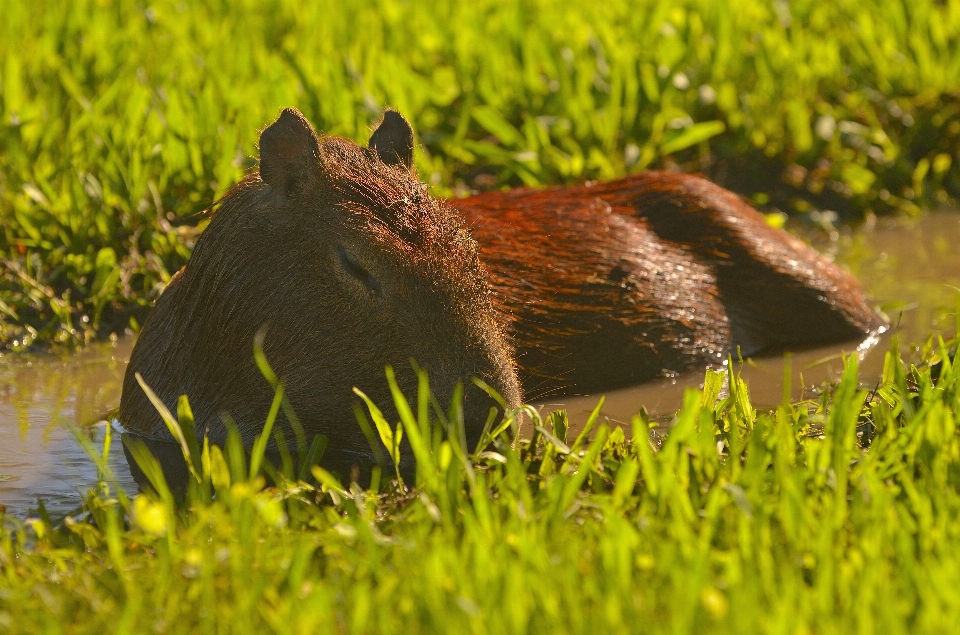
<point x="358" y="271"/>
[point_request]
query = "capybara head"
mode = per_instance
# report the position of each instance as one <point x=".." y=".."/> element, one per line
<point x="349" y="265"/>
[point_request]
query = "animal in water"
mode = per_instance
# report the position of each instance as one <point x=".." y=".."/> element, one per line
<point x="350" y="265"/>
<point x="343" y="260"/>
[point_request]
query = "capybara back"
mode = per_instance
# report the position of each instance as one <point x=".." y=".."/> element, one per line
<point x="611" y="284"/>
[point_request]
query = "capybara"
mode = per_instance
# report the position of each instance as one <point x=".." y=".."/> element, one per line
<point x="339" y="253"/>
<point x="351" y="266"/>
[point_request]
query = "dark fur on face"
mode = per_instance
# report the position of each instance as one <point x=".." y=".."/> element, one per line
<point x="349" y="265"/>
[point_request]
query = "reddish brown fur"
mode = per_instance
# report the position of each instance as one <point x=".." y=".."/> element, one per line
<point x="616" y="283"/>
<point x="341" y="251"/>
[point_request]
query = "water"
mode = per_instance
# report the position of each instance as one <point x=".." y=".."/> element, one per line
<point x="44" y="402"/>
<point x="911" y="270"/>
<point x="764" y="378"/>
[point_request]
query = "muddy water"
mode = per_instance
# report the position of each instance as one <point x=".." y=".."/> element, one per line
<point x="46" y="404"/>
<point x="911" y="270"/>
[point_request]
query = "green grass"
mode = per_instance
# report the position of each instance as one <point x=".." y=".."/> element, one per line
<point x="832" y="516"/>
<point x="119" y="122"/>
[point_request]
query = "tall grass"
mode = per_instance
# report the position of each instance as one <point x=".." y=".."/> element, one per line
<point x="831" y="516"/>
<point x="120" y="119"/>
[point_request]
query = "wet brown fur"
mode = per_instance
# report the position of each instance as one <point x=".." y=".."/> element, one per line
<point x="598" y="286"/>
<point x="292" y="256"/>
<point x="616" y="283"/>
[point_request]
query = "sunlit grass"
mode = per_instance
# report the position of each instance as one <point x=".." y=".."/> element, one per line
<point x="832" y="516"/>
<point x="120" y="119"/>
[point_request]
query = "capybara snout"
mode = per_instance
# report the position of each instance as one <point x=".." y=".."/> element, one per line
<point x="342" y="257"/>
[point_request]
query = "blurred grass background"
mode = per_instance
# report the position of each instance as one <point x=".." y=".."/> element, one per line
<point x="119" y="119"/>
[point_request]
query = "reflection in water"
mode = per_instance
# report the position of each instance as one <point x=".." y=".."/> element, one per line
<point x="764" y="378"/>
<point x="41" y="399"/>
<point x="912" y="271"/>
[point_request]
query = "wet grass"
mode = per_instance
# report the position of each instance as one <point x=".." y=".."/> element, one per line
<point x="828" y="516"/>
<point x="120" y="120"/>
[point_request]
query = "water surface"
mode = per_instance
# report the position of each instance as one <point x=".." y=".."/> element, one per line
<point x="45" y="401"/>
<point x="910" y="269"/>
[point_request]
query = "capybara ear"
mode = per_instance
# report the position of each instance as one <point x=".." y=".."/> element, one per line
<point x="289" y="153"/>
<point x="393" y="140"/>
